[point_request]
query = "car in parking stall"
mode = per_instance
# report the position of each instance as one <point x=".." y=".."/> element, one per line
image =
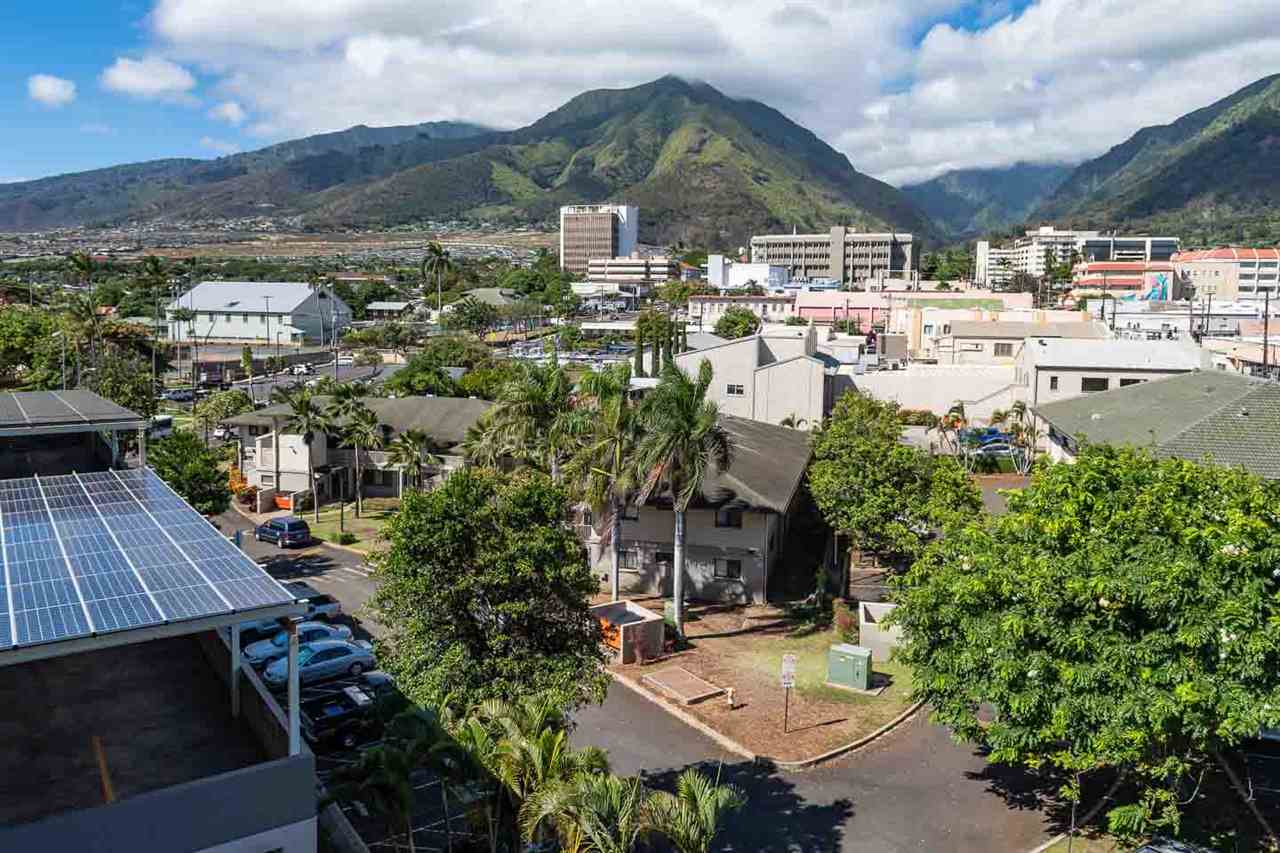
<point x="264" y="652"/>
<point x="284" y="532"/>
<point x="349" y="712"/>
<point x="322" y="660"/>
<point x="320" y="605"/>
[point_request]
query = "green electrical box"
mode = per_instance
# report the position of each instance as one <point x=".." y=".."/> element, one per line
<point x="849" y="666"/>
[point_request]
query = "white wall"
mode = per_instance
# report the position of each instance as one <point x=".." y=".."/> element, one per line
<point x="983" y="389"/>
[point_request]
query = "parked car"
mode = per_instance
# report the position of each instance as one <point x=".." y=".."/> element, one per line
<point x="320" y="605"/>
<point x="161" y="426"/>
<point x="222" y="432"/>
<point x="324" y="659"/>
<point x="995" y="448"/>
<point x="263" y="652"/>
<point x="180" y="395"/>
<point x="301" y="369"/>
<point x="284" y="532"/>
<point x="348" y="712"/>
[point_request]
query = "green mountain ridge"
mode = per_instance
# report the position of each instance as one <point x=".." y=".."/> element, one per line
<point x="1212" y="176"/>
<point x="704" y="168"/>
<point x="969" y="202"/>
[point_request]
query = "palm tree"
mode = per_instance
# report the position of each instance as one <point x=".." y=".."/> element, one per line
<point x="595" y="812"/>
<point x="481" y="749"/>
<point x="363" y="433"/>
<point x="428" y="744"/>
<point x="438" y="261"/>
<point x="532" y="419"/>
<point x="186" y="315"/>
<point x="307" y="419"/>
<point x="683" y="439"/>
<point x="381" y="779"/>
<point x="411" y="451"/>
<point x="605" y="465"/>
<point x="691" y="817"/>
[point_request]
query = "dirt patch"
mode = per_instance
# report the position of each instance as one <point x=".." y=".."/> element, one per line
<point x="742" y="648"/>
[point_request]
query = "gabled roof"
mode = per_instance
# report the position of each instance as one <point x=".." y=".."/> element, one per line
<point x="445" y="419"/>
<point x="1207" y="415"/>
<point x="387" y="306"/>
<point x="252" y="296"/>
<point x="768" y="465"/>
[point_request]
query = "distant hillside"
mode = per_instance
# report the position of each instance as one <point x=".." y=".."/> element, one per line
<point x="1211" y="176"/>
<point x="969" y="202"/>
<point x="705" y="169"/>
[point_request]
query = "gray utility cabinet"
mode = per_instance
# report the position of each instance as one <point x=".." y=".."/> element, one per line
<point x="849" y="666"/>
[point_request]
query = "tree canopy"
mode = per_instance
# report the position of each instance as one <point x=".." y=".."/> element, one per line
<point x="192" y="470"/>
<point x="484" y="589"/>
<point x="1122" y="614"/>
<point x="736" y="322"/>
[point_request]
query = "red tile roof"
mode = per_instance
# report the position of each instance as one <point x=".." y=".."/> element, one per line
<point x="1229" y="253"/>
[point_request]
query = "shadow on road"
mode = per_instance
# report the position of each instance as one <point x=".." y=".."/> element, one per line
<point x="287" y="566"/>
<point x="776" y="817"/>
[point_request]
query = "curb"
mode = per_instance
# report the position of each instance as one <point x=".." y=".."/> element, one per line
<point x="1088" y="816"/>
<point x="733" y="746"/>
<point x="322" y="542"/>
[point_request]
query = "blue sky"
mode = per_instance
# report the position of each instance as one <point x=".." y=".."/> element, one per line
<point x="906" y="88"/>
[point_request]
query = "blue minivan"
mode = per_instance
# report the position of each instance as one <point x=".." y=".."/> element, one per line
<point x="284" y="532"/>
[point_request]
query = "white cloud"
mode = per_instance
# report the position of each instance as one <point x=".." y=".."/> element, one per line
<point x="904" y="97"/>
<point x="50" y="91"/>
<point x="150" y="78"/>
<point x="230" y="112"/>
<point x="219" y="146"/>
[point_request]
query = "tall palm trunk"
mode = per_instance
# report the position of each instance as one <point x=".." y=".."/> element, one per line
<point x="657" y="347"/>
<point x="315" y="487"/>
<point x="359" y="481"/>
<point x="615" y="557"/>
<point x="677" y="582"/>
<point x="448" y="828"/>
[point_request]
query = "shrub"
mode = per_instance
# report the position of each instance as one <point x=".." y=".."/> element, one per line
<point x="917" y="417"/>
<point x="846" y="620"/>
<point x="346" y="537"/>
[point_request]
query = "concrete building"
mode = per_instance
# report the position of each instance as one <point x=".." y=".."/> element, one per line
<point x="1058" y="368"/>
<point x="842" y="253"/>
<point x="633" y="270"/>
<point x="596" y="231"/>
<point x="876" y="309"/>
<point x="1141" y="279"/>
<point x="770" y="377"/>
<point x="735" y="530"/>
<point x="705" y="309"/>
<point x="1229" y="273"/>
<point x="259" y="312"/>
<point x="1109" y="247"/>
<point x="993" y="267"/>
<point x="927" y="328"/>
<point x="1028" y="252"/>
<point x="726" y="274"/>
<point x="1002" y="342"/>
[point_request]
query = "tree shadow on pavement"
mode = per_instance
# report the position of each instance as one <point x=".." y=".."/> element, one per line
<point x="1024" y="790"/>
<point x="775" y="818"/>
<point x="286" y="566"/>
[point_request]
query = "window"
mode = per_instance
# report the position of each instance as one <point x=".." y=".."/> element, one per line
<point x="1053" y="383"/>
<point x="1004" y="350"/>
<point x="630" y="512"/>
<point x="1125" y="383"/>
<point x="244" y="318"/>
<point x="972" y="347"/>
<point x="226" y="318"/>
<point x="268" y="480"/>
<point x="728" y="569"/>
<point x="1093" y="384"/>
<point x="735" y="390"/>
<point x="587" y="517"/>
<point x="629" y="560"/>
<point x="728" y="518"/>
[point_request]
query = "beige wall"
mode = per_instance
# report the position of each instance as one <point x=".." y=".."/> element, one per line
<point x="794" y="387"/>
<point x="733" y="363"/>
<point x="970" y="350"/>
<point x="1040" y="383"/>
<point x="776" y="381"/>
<point x="982" y="388"/>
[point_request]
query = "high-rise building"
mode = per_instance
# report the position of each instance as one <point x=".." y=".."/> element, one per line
<point x="596" y="231"/>
<point x="993" y="267"/>
<point x="843" y="254"/>
<point x="997" y="266"/>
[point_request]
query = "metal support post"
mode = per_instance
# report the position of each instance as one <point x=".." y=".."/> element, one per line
<point x="142" y="447"/>
<point x="295" y="740"/>
<point x="235" y="671"/>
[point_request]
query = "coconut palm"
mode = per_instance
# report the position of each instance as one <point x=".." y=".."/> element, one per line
<point x="532" y="419"/>
<point x="421" y="735"/>
<point x="691" y="817"/>
<point x="411" y="450"/>
<point x="595" y="812"/>
<point x="481" y="748"/>
<point x="381" y="780"/>
<point x="604" y="467"/>
<point x="439" y="262"/>
<point x="683" y="440"/>
<point x="307" y="419"/>
<point x="363" y="432"/>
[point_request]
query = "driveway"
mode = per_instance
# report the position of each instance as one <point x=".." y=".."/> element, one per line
<point x="914" y="790"/>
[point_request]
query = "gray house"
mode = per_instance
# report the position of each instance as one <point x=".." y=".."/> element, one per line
<point x="259" y="312"/>
<point x="734" y="534"/>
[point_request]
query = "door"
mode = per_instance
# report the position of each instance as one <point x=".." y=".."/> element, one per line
<point x="666" y="562"/>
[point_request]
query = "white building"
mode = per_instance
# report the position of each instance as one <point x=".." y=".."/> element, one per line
<point x="1059" y="368"/>
<point x="993" y="267"/>
<point x="1027" y="254"/>
<point x="633" y="270"/>
<point x="259" y="312"/>
<point x="726" y="274"/>
<point x="844" y="254"/>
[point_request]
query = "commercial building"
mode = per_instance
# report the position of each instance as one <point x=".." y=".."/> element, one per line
<point x="1059" y="368"/>
<point x="387" y="311"/>
<point x="1229" y="273"/>
<point x="633" y="270"/>
<point x="258" y="312"/>
<point x="1002" y="342"/>
<point x="875" y="309"/>
<point x="844" y="254"/>
<point x="1201" y="416"/>
<point x="1109" y="247"/>
<point x="1142" y="279"/>
<point x="735" y="529"/>
<point x="1028" y="252"/>
<point x="596" y="231"/>
<point x="705" y="308"/>
<point x="726" y="274"/>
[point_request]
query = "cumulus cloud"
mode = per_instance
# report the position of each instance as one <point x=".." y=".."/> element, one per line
<point x="903" y="89"/>
<point x="219" y="146"/>
<point x="230" y="112"/>
<point x="50" y="91"/>
<point x="151" y="78"/>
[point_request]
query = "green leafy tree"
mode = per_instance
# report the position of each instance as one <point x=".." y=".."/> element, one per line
<point x="363" y="432"/>
<point x="217" y="407"/>
<point x="737" y="322"/>
<point x="884" y="495"/>
<point x="1121" y="615"/>
<point x="683" y="439"/>
<point x="532" y="420"/>
<point x="484" y="591"/>
<point x="192" y="470"/>
<point x="122" y="378"/>
<point x="473" y="315"/>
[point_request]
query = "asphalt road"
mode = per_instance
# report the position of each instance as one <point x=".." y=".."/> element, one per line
<point x="913" y="790"/>
<point x="262" y="387"/>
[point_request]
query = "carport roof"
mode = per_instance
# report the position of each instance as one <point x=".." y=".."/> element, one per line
<point x="38" y="412"/>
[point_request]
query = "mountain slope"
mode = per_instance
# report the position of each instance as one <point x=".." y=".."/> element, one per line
<point x="1214" y="171"/>
<point x="704" y="168"/>
<point x="969" y="202"/>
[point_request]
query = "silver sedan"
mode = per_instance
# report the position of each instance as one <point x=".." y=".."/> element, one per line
<point x="273" y="648"/>
<point x="322" y="660"/>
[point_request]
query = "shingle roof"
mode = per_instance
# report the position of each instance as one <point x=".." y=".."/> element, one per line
<point x="445" y="419"/>
<point x="386" y="306"/>
<point x="1223" y="417"/>
<point x="1115" y="354"/>
<point x="245" y="296"/>
<point x="37" y="412"/>
<point x="768" y="464"/>
<point x="1019" y="329"/>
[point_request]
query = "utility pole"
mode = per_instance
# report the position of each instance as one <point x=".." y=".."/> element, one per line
<point x="267" y="300"/>
<point x="1266" y="329"/>
<point x="333" y="326"/>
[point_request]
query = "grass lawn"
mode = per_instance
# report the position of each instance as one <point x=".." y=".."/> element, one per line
<point x="366" y="528"/>
<point x="811" y="672"/>
<point x="1085" y="844"/>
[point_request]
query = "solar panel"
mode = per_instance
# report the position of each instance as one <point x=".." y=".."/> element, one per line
<point x="87" y="554"/>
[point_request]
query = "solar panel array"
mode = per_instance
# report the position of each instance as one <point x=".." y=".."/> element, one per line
<point x="111" y="551"/>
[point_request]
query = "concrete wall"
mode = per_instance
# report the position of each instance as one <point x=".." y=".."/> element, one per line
<point x="794" y="387"/>
<point x="873" y="634"/>
<point x="970" y="350"/>
<point x="983" y="389"/>
<point x="1069" y="381"/>
<point x="733" y="363"/>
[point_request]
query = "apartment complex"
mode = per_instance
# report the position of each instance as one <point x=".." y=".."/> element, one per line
<point x="1027" y="254"/>
<point x="596" y="231"/>
<point x="993" y="266"/>
<point x="1146" y="279"/>
<point x="1229" y="273"/>
<point x="842" y="253"/>
<point x="633" y="269"/>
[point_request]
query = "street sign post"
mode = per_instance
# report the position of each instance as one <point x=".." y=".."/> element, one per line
<point x="788" y="681"/>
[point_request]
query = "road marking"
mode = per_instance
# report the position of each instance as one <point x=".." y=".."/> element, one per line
<point x="357" y="572"/>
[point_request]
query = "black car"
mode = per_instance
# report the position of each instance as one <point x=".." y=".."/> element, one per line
<point x="349" y="712"/>
<point x="286" y="531"/>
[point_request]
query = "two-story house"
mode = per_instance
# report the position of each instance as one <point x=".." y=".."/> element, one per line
<point x="285" y="312"/>
<point x="735" y="531"/>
